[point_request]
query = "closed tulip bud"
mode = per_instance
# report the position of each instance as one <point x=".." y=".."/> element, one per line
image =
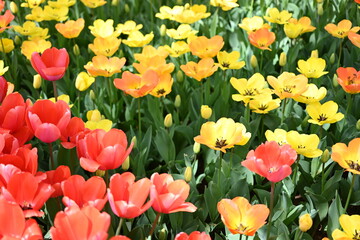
<point x="134" y="140"/>
<point x="179" y="76"/>
<point x="126" y="164"/>
<point x="92" y="95"/>
<point x="115" y="2"/>
<point x="358" y="125"/>
<point x="332" y="58"/>
<point x="253" y="61"/>
<point x="76" y="50"/>
<point x="320" y="9"/>
<point x="335" y="81"/>
<point x="13" y="7"/>
<point x="163" y="30"/>
<point x="325" y="156"/>
<point x="206" y="111"/>
<point x="163" y="234"/>
<point x="168" y="122"/>
<point x="196" y="147"/>
<point x="282" y="60"/>
<point x="177" y="101"/>
<point x="121" y="53"/>
<point x="17" y="40"/>
<point x="179" y="2"/>
<point x="127" y="8"/>
<point x="315" y="53"/>
<point x="305" y="222"/>
<point x="37" y="81"/>
<point x="100" y="173"/>
<point x="188" y="174"/>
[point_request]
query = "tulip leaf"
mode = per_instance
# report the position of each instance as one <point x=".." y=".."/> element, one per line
<point x="165" y="145"/>
<point x="212" y="196"/>
<point x="335" y="211"/>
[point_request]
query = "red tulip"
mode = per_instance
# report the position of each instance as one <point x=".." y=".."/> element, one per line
<point x="6" y="172"/>
<point x="47" y="119"/>
<point x="82" y="193"/>
<point x="193" y="236"/>
<point x="8" y="143"/>
<point x="52" y="64"/>
<point x="75" y="223"/>
<point x="127" y="197"/>
<point x="56" y="177"/>
<point x="13" y="224"/>
<point x="27" y="191"/>
<point x="3" y="88"/>
<point x="271" y="161"/>
<point x="120" y="238"/>
<point x="103" y="150"/>
<point x="69" y="134"/>
<point x="169" y="195"/>
<point x="23" y="158"/>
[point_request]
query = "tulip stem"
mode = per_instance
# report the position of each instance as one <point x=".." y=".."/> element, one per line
<point x="119" y="227"/>
<point x="271" y="209"/>
<point x="295" y="170"/>
<point x="52" y="163"/>
<point x="283" y="111"/>
<point x="55" y="91"/>
<point x="350" y="192"/>
<point x="139" y="119"/>
<point x="153" y="226"/>
<point x="340" y="51"/>
<point x="349" y="103"/>
<point x="220" y="166"/>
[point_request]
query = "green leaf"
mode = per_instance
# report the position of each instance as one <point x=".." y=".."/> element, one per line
<point x="165" y="145"/>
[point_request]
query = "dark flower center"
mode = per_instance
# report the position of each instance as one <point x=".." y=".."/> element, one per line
<point x="220" y="143"/>
<point x="356" y="235"/>
<point x="355" y="166"/>
<point x="322" y="117"/>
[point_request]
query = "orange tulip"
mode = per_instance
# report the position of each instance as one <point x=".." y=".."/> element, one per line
<point x="103" y="150"/>
<point x="81" y="193"/>
<point x="69" y="134"/>
<point x="135" y="85"/>
<point x="347" y="157"/>
<point x="349" y="79"/>
<point x="193" y="236"/>
<point x="203" y="69"/>
<point x="169" y="195"/>
<point x="240" y="217"/>
<point x="86" y="223"/>
<point x="342" y="29"/>
<point x="354" y="38"/>
<point x="56" y="177"/>
<point x="204" y="47"/>
<point x="127" y="197"/>
<point x="103" y="66"/>
<point x="5" y="20"/>
<point x="262" y="38"/>
<point x="71" y="28"/>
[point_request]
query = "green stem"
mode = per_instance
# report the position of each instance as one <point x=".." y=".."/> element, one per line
<point x="119" y="227"/>
<point x="107" y="177"/>
<point x="283" y="111"/>
<point x="153" y="226"/>
<point x="261" y="59"/>
<point x="55" y="90"/>
<point x="52" y="163"/>
<point x="350" y="192"/>
<point x="298" y="234"/>
<point x="295" y="170"/>
<point x="271" y="209"/>
<point x="349" y="103"/>
<point x="247" y="113"/>
<point x="220" y="166"/>
<point x="322" y="177"/>
<point x="340" y="51"/>
<point x="139" y="119"/>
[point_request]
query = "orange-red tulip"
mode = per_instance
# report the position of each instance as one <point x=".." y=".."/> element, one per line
<point x="5" y="20"/>
<point x="127" y="197"/>
<point x="169" y="195"/>
<point x="271" y="160"/>
<point x="13" y="224"/>
<point x="52" y="64"/>
<point x="6" y="172"/>
<point x="47" y="119"/>
<point x="193" y="236"/>
<point x="120" y="238"/>
<point x="8" y="143"/>
<point x="69" y="134"/>
<point x="56" y="177"/>
<point x="349" y="79"/>
<point x="3" y="88"/>
<point x="27" y="191"/>
<point x="103" y="150"/>
<point x="262" y="38"/>
<point x="81" y="193"/>
<point x="86" y="224"/>
<point x="23" y="158"/>
<point x="354" y="38"/>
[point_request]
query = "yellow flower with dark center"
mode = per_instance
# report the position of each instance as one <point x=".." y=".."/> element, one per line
<point x="29" y="28"/>
<point x="288" y="85"/>
<point x="149" y="52"/>
<point x="295" y="28"/>
<point x="203" y="69"/>
<point x="248" y="89"/>
<point x="164" y="85"/>
<point x="312" y="68"/>
<point x="278" y="135"/>
<point x="223" y="134"/>
<point x="105" y="46"/>
<point x="103" y="66"/>
<point x="57" y="14"/>
<point x="225" y="5"/>
<point x="177" y="48"/>
<point x="182" y="32"/>
<point x="348" y="157"/>
<point x="351" y="228"/>
<point x="93" y="3"/>
<point x="312" y="94"/>
<point x="137" y="39"/>
<point x="229" y="60"/>
<point x="324" y="113"/>
<point x="61" y="3"/>
<point x="103" y="28"/>
<point x="304" y="144"/>
<point x="253" y="24"/>
<point x="7" y="45"/>
<point x="32" y="3"/>
<point x="342" y="29"/>
<point x="264" y="103"/>
<point x="204" y="47"/>
<point x="71" y="28"/>
<point x="83" y="81"/>
<point x="128" y="27"/>
<point x="275" y="16"/>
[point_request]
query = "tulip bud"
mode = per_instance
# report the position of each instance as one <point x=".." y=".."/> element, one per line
<point x="114" y="3"/>
<point x="196" y="147"/>
<point x="100" y="173"/>
<point x="188" y="174"/>
<point x="335" y="81"/>
<point x="320" y="9"/>
<point x="358" y="125"/>
<point x="83" y="81"/>
<point x="126" y="164"/>
<point x="177" y="101"/>
<point x="163" y="234"/>
<point x="168" y="122"/>
<point x="179" y="76"/>
<point x="162" y="30"/>
<point x="17" y="40"/>
<point x="76" y="50"/>
<point x="37" y="81"/>
<point x="179" y="2"/>
<point x="325" y="156"/>
<point x="253" y="61"/>
<point x="134" y="140"/>
<point x="332" y="58"/>
<point x="315" y="53"/>
<point x="13" y="7"/>
<point x="127" y="8"/>
<point x="206" y="111"/>
<point x="319" y="1"/>
<point x="92" y="95"/>
<point x="121" y="53"/>
<point x="282" y="60"/>
<point x="305" y="222"/>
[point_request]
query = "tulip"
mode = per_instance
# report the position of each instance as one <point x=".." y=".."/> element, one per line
<point x="196" y="235"/>
<point x="205" y="111"/>
<point x="56" y="177"/>
<point x="23" y="158"/>
<point x="305" y="222"/>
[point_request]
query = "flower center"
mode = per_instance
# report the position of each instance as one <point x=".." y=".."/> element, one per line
<point x="220" y="143"/>
<point x="289" y="88"/>
<point x="273" y="169"/>
<point x="301" y="147"/>
<point x="225" y="64"/>
<point x="355" y="166"/>
<point x="356" y="235"/>
<point x="241" y="228"/>
<point x="160" y="91"/>
<point x="263" y="107"/>
<point x="322" y="117"/>
<point x="26" y="206"/>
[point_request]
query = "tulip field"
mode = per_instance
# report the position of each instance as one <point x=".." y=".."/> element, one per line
<point x="180" y="119"/>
